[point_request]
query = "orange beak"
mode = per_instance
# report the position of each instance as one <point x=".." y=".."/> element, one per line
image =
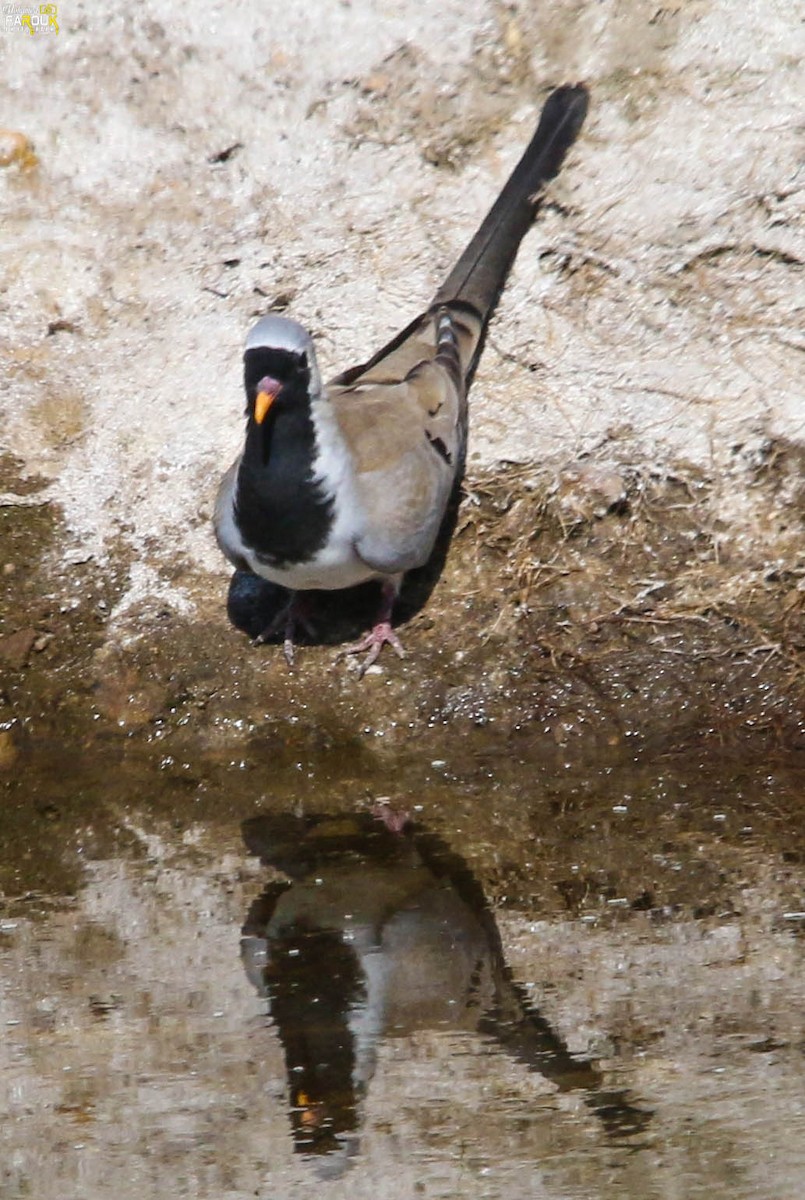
<point x="263" y="403"/>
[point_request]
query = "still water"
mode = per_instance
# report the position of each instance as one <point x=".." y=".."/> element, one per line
<point x="510" y="978"/>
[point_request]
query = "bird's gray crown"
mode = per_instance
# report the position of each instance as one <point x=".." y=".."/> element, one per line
<point x="279" y="333"/>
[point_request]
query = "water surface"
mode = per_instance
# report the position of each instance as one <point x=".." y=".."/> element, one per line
<point x="519" y="978"/>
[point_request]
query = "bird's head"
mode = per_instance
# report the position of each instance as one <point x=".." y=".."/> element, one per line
<point x="279" y="367"/>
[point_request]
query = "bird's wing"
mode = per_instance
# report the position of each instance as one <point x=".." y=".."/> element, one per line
<point x="403" y="416"/>
<point x="415" y="344"/>
<point x="226" y="533"/>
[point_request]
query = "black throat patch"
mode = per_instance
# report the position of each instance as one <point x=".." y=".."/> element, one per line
<point x="280" y="511"/>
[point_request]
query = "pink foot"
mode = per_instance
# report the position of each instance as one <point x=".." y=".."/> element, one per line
<point x="374" y="641"/>
<point x="287" y="619"/>
<point x="394" y="820"/>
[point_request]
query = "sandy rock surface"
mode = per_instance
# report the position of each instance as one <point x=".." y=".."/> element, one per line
<point x="331" y="160"/>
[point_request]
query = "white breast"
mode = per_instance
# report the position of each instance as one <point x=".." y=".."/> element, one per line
<point x="336" y="565"/>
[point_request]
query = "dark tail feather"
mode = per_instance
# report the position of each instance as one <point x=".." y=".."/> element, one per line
<point x="479" y="275"/>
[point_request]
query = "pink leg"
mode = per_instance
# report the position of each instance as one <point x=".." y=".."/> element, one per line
<point x="376" y="638"/>
<point x="295" y="613"/>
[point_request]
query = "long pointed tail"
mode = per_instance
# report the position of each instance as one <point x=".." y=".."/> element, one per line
<point x="478" y="277"/>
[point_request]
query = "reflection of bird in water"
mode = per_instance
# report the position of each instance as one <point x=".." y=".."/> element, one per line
<point x="380" y="933"/>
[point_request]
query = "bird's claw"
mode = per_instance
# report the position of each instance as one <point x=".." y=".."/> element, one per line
<point x="374" y="641"/>
<point x="287" y="620"/>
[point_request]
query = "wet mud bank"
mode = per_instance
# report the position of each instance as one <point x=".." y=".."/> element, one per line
<point x="594" y="604"/>
<point x="599" y="618"/>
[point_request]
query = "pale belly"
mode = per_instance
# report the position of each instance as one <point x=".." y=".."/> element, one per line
<point x="326" y="572"/>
